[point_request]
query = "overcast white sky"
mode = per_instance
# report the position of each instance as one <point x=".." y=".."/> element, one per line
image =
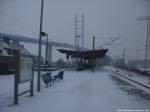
<point x="103" y="18"/>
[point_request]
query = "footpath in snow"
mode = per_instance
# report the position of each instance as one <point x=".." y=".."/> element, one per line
<point x="81" y="91"/>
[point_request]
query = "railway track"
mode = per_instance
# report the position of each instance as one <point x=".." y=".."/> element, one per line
<point x="132" y="79"/>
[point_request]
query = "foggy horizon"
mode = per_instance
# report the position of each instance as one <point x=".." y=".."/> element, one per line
<point x="106" y="71"/>
<point x="103" y="18"/>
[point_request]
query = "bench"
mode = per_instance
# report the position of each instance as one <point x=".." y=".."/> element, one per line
<point x="47" y="78"/>
<point x="59" y="75"/>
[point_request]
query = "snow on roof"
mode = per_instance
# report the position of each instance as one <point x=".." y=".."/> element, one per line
<point x="23" y="51"/>
<point x="3" y="44"/>
<point x="4" y="52"/>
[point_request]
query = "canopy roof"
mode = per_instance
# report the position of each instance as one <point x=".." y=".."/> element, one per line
<point x="86" y="54"/>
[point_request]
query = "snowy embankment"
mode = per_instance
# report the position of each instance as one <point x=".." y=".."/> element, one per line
<point x="141" y="82"/>
<point x="78" y="92"/>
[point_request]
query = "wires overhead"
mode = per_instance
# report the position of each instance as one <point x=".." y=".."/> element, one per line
<point x="24" y="26"/>
<point x="112" y="40"/>
<point x="18" y="26"/>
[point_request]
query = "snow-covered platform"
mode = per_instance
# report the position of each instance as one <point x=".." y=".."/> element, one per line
<point x="83" y="91"/>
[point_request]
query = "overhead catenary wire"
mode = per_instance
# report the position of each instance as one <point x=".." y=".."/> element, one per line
<point x="17" y="20"/>
<point x="25" y="26"/>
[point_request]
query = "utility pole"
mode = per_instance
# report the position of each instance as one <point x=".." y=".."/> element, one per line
<point x="49" y="55"/>
<point x="147" y="45"/>
<point x="79" y="31"/>
<point x="124" y="57"/>
<point x="82" y="30"/>
<point x="75" y="30"/>
<point x="77" y="40"/>
<point x="46" y="52"/>
<point x="93" y="54"/>
<point x="40" y="44"/>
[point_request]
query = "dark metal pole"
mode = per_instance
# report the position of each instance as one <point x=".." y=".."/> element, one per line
<point x="50" y="55"/>
<point x="93" y="60"/>
<point x="17" y="72"/>
<point x="82" y="30"/>
<point x="124" y="57"/>
<point x="46" y="52"/>
<point x="32" y="82"/>
<point x="147" y="18"/>
<point x="76" y="41"/>
<point x="40" y="42"/>
<point x="75" y="30"/>
<point x="146" y="48"/>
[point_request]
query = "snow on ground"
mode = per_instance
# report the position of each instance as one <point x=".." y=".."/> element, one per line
<point x="144" y="80"/>
<point x="81" y="91"/>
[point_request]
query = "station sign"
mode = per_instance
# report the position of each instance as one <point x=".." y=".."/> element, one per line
<point x="26" y="69"/>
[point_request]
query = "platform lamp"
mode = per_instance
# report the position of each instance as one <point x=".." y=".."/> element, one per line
<point x="46" y="51"/>
<point x="93" y="54"/>
<point x="40" y="44"/>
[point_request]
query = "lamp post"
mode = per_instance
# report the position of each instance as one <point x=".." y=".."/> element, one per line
<point x="77" y="51"/>
<point x="39" y="52"/>
<point x="46" y="51"/>
<point x="93" y="54"/>
<point x="46" y="54"/>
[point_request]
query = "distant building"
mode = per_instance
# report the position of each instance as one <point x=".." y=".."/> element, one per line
<point x="7" y="52"/>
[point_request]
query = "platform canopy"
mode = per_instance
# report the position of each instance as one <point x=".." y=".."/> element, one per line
<point x="84" y="54"/>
